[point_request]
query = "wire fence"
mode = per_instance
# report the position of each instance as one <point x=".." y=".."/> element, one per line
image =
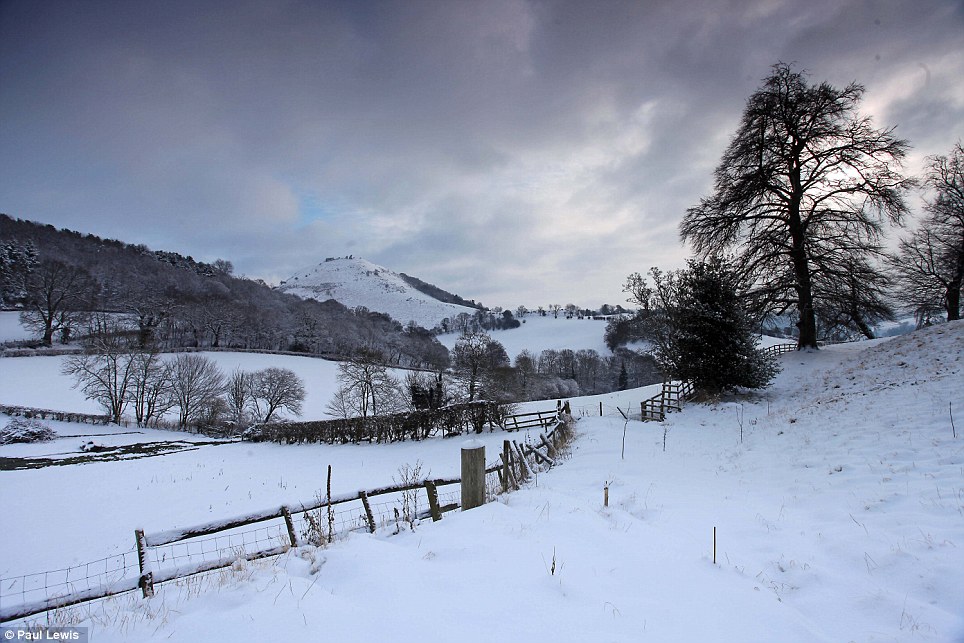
<point x="31" y="588"/>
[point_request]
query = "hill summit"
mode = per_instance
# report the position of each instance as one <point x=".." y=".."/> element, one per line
<point x="356" y="282"/>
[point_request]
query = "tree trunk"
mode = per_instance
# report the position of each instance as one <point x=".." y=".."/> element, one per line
<point x="862" y="326"/>
<point x="804" y="286"/>
<point x="798" y="254"/>
<point x="952" y="301"/>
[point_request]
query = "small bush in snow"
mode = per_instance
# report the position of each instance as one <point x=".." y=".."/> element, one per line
<point x="26" y="430"/>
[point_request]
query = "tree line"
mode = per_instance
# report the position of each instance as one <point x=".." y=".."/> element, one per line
<point x="120" y="375"/>
<point x="482" y="371"/>
<point x="57" y="277"/>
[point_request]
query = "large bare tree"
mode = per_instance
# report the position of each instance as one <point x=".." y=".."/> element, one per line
<point x="366" y="387"/>
<point x="58" y="294"/>
<point x="929" y="266"/>
<point x="803" y="191"/>
<point x="104" y="373"/>
<point x="276" y="388"/>
<point x="196" y="383"/>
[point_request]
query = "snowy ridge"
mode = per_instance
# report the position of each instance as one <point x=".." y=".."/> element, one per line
<point x="357" y="282"/>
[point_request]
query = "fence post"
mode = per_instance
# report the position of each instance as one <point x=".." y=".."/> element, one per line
<point x="432" y="491"/>
<point x="368" y="511"/>
<point x="506" y="463"/>
<point x="146" y="582"/>
<point x="509" y="474"/>
<point x="473" y="474"/>
<point x="290" y="525"/>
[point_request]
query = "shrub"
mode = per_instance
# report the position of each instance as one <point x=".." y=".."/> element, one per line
<point x="23" y="430"/>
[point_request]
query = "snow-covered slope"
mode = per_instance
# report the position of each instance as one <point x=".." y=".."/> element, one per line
<point x="835" y="497"/>
<point x="357" y="282"/>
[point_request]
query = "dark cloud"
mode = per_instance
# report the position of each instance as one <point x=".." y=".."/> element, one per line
<point x="514" y="151"/>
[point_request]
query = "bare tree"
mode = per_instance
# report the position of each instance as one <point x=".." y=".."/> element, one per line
<point x="805" y="185"/>
<point x="104" y="373"/>
<point x="196" y="382"/>
<point x="475" y="354"/>
<point x="527" y="366"/>
<point x="589" y="367"/>
<point x="365" y="388"/>
<point x="277" y="388"/>
<point x="56" y="295"/>
<point x="851" y="297"/>
<point x="149" y="309"/>
<point x="549" y="362"/>
<point x="150" y="388"/>
<point x="238" y="394"/>
<point x="929" y="265"/>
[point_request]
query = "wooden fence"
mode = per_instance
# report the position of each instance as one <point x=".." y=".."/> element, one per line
<point x="779" y="349"/>
<point x="167" y="555"/>
<point x="670" y="398"/>
<point x="673" y="394"/>
<point x="540" y="419"/>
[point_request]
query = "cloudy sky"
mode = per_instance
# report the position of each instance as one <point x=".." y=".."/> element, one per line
<point x="512" y="151"/>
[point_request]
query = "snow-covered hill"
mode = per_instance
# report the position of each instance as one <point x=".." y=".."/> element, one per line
<point x="356" y="282"/>
<point x="835" y="497"/>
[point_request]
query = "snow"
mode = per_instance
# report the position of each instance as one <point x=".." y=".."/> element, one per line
<point x="544" y="333"/>
<point x="10" y="328"/>
<point x="539" y="333"/>
<point x="357" y="282"/>
<point x="837" y="497"/>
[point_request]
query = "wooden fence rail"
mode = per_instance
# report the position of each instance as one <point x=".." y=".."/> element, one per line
<point x="518" y="464"/>
<point x="542" y="419"/>
<point x="779" y="349"/>
<point x="670" y="398"/>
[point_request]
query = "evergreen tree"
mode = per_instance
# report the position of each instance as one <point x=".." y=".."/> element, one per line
<point x="702" y="331"/>
<point x="623" y="378"/>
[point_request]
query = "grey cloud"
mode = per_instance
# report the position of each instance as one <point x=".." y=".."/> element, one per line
<point x="509" y="150"/>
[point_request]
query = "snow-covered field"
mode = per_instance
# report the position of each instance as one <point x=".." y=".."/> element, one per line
<point x="837" y="496"/>
<point x="37" y="381"/>
<point x="541" y="333"/>
<point x="10" y="328"/>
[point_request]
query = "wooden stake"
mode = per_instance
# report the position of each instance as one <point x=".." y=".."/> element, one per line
<point x="433" y="500"/>
<point x="509" y="474"/>
<point x="368" y="511"/>
<point x="714" y="545"/>
<point x="331" y="515"/>
<point x="606" y="496"/>
<point x="146" y="581"/>
<point x="507" y="464"/>
<point x="292" y="537"/>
